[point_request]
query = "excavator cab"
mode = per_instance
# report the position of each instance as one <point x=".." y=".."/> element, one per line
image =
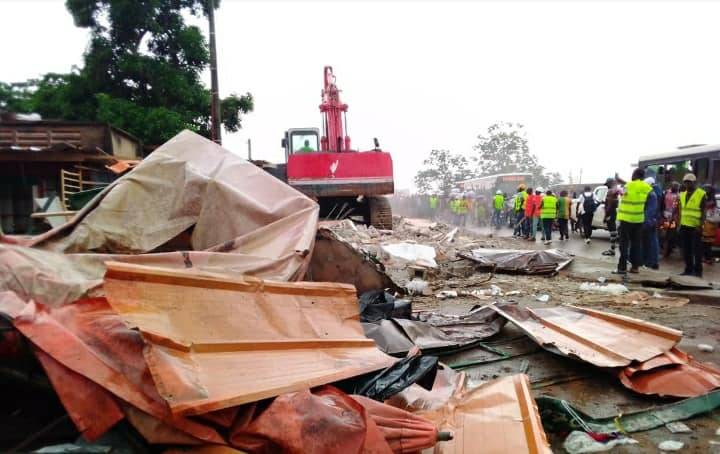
<point x="301" y="140"/>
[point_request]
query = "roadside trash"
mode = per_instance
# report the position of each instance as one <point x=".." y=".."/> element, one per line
<point x="377" y="305"/>
<point x="678" y="427"/>
<point x="444" y="294"/>
<point x="417" y="287"/>
<point x="560" y="416"/>
<point x="544" y="298"/>
<point x="706" y="348"/>
<point x="418" y="254"/>
<point x="580" y="442"/>
<point x="602" y="279"/>
<point x="670" y="445"/>
<point x="548" y="261"/>
<point x="513" y="293"/>
<point x="382" y="385"/>
<point x="612" y="289"/>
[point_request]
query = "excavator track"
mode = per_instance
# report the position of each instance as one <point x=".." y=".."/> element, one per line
<point x="380" y="212"/>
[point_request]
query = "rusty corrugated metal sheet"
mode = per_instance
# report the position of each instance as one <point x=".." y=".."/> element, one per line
<point x="499" y="417"/>
<point x="673" y="373"/>
<point x="600" y="338"/>
<point x="214" y="342"/>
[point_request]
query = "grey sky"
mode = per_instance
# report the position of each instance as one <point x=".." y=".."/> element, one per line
<point x="596" y="84"/>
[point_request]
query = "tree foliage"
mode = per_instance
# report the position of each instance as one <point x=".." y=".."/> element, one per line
<point x="142" y="72"/>
<point x="504" y="149"/>
<point x="441" y="170"/>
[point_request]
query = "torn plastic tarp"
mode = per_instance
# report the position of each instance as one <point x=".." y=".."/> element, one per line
<point x="190" y="204"/>
<point x="436" y="332"/>
<point x="380" y="386"/>
<point x="498" y="417"/>
<point x="599" y="338"/>
<point x="560" y="416"/>
<point x="479" y="323"/>
<point x="673" y="373"/>
<point x="214" y="342"/>
<point x="376" y="305"/>
<point x="545" y="261"/>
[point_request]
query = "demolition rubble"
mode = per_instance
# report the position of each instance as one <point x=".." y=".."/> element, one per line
<point x="198" y="305"/>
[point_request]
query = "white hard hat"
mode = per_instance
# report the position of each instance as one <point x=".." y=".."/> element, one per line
<point x="498" y="192"/>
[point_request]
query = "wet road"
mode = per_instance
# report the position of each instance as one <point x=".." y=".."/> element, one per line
<point x="600" y="242"/>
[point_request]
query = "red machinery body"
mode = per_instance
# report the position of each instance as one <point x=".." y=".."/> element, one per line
<point x="341" y="174"/>
<point x="336" y="169"/>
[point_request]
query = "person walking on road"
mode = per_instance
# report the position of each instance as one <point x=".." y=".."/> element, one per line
<point x="527" y="220"/>
<point x="692" y="217"/>
<point x="548" y="214"/>
<point x="587" y="206"/>
<point x="651" y="246"/>
<point x="498" y="205"/>
<point x="631" y="214"/>
<point x="611" y="204"/>
<point x="564" y="203"/>
<point x="534" y="200"/>
<point x="519" y="210"/>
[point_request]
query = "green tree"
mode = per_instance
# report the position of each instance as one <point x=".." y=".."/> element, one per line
<point x="504" y="149"/>
<point x="441" y="170"/>
<point x="142" y="72"/>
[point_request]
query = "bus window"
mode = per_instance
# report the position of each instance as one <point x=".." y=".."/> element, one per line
<point x="715" y="172"/>
<point x="701" y="169"/>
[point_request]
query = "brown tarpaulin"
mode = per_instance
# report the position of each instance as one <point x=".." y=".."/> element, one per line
<point x="190" y="204"/>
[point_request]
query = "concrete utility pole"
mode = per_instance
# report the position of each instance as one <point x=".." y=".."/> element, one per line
<point x="214" y="87"/>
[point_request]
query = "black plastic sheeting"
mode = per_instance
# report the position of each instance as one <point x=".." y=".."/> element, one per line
<point x="376" y="305"/>
<point x="382" y="385"/>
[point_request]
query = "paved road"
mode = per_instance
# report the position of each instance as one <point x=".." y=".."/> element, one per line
<point x="599" y="243"/>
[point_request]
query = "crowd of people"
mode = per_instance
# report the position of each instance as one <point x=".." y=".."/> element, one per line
<point x="637" y="215"/>
<point x="645" y="221"/>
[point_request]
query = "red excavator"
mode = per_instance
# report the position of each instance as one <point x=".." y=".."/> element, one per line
<point x="348" y="184"/>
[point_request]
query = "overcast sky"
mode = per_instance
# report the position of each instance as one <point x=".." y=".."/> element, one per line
<point x="596" y="84"/>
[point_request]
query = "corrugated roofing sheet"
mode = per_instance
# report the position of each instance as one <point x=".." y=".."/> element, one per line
<point x="600" y="338"/>
<point x="499" y="417"/>
<point x="215" y="342"/>
<point x="674" y="373"/>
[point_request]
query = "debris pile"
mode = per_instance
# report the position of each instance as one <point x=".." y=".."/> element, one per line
<point x="197" y="304"/>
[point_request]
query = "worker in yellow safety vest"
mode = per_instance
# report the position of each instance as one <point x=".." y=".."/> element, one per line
<point x="519" y="209"/>
<point x="462" y="210"/>
<point x="692" y="216"/>
<point x="498" y="204"/>
<point x="454" y="208"/>
<point x="433" y="201"/>
<point x="548" y="214"/>
<point x="631" y="214"/>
